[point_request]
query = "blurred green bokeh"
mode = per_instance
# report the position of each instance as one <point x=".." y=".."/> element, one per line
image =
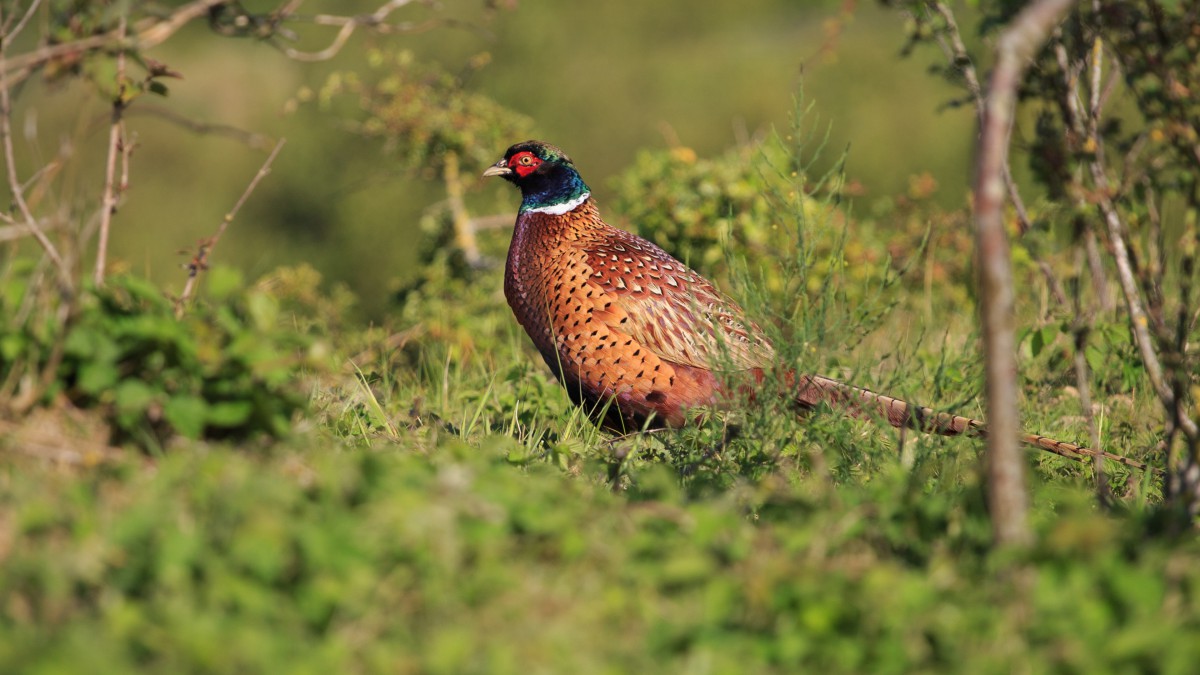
<point x="602" y="80"/>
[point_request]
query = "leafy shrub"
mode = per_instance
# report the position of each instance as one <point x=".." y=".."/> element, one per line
<point x="381" y="559"/>
<point x="226" y="370"/>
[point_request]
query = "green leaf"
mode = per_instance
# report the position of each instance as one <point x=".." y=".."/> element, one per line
<point x="11" y="344"/>
<point x="228" y="414"/>
<point x="97" y="376"/>
<point x="263" y="309"/>
<point x="187" y="414"/>
<point x="224" y="281"/>
<point x="133" y="396"/>
<point x="1037" y="341"/>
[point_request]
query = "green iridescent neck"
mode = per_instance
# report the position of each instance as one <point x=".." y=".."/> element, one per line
<point x="557" y="192"/>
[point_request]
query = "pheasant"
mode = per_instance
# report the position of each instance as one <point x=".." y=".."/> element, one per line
<point x="637" y="337"/>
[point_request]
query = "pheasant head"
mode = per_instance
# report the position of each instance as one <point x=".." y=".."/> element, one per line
<point x="545" y="175"/>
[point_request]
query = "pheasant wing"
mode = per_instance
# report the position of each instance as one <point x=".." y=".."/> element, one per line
<point x="671" y="309"/>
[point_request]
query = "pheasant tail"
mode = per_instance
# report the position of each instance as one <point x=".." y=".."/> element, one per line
<point x="811" y="390"/>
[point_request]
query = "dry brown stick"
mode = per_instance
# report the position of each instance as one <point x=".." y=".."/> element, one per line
<point x="1008" y="500"/>
<point x="10" y="162"/>
<point x="108" y="202"/>
<point x="200" y="260"/>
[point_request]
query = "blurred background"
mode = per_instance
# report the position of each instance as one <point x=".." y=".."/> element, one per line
<point x="604" y="81"/>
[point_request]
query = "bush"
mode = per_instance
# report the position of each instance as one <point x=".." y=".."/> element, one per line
<point x="230" y="369"/>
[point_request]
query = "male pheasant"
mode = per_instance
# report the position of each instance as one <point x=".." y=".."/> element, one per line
<point x="639" y="338"/>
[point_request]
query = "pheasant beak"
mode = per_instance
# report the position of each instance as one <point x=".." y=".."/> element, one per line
<point x="498" y="169"/>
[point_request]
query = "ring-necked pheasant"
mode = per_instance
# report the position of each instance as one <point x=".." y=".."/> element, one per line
<point x="636" y="336"/>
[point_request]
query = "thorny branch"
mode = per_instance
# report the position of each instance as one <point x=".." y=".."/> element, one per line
<point x="199" y="261"/>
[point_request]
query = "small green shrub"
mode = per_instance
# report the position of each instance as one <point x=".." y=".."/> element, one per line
<point x="230" y="369"/>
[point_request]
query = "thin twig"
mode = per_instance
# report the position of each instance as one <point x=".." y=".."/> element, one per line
<point x="250" y="138"/>
<point x="955" y="51"/>
<point x="147" y="33"/>
<point x="348" y="25"/>
<point x="1081" y="328"/>
<point x="10" y="164"/>
<point x="1078" y="130"/>
<point x="16" y="30"/>
<point x="108" y="202"/>
<point x="1138" y="321"/>
<point x="200" y="260"/>
<point x="14" y="232"/>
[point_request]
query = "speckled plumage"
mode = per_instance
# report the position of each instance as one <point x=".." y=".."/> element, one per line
<point x="639" y="338"/>
<point x="621" y="322"/>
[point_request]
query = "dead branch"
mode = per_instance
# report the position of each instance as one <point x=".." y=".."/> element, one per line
<point x="116" y="134"/>
<point x="1008" y="500"/>
<point x="200" y="260"/>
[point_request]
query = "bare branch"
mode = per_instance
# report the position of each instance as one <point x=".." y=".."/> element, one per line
<point x="14" y="232"/>
<point x="16" y="30"/>
<point x="1077" y="132"/>
<point x="116" y="133"/>
<point x="349" y="24"/>
<point x="1138" y="320"/>
<point x="1008" y="500"/>
<point x="10" y="164"/>
<point x="200" y="260"/>
<point x="147" y="33"/>
<point x="250" y="138"/>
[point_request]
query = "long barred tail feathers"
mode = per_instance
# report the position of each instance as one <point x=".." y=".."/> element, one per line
<point x="812" y="390"/>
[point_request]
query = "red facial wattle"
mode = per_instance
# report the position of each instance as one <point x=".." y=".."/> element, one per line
<point x="524" y="163"/>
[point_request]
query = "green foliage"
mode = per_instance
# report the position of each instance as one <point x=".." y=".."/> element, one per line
<point x="229" y="369"/>
<point x="452" y="560"/>
<point x="420" y="111"/>
<point x="700" y="208"/>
